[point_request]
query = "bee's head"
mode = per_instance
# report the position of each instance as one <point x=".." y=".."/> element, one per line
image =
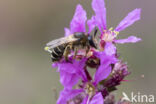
<point x="92" y="40"/>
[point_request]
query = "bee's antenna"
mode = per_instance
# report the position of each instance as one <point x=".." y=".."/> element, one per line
<point x="47" y="49"/>
<point x="95" y="31"/>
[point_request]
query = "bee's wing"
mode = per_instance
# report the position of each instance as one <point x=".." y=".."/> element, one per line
<point x="60" y="41"/>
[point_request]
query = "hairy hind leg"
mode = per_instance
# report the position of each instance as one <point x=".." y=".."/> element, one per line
<point x="75" y="52"/>
<point x="67" y="51"/>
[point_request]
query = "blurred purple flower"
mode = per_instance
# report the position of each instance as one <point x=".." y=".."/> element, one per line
<point x="108" y="37"/>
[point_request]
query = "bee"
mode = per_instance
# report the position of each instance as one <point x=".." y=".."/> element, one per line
<point x="63" y="46"/>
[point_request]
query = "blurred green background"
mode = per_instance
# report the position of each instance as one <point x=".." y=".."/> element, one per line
<point x="26" y="76"/>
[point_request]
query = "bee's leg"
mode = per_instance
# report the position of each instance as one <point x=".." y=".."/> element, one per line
<point x="87" y="50"/>
<point x="67" y="52"/>
<point x="75" y="52"/>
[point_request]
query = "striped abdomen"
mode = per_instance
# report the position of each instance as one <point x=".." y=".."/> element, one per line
<point x="57" y="53"/>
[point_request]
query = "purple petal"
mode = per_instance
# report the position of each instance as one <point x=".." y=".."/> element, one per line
<point x="129" y="20"/>
<point x="104" y="57"/>
<point x="110" y="48"/>
<point x="105" y="68"/>
<point x="68" y="80"/>
<point x="67" y="94"/>
<point x="70" y="73"/>
<point x="80" y="69"/>
<point x="100" y="13"/>
<point x="130" y="39"/>
<point x="91" y="24"/>
<point x="67" y="67"/>
<point x="55" y="64"/>
<point x="97" y="99"/>
<point x="85" y="100"/>
<point x="102" y="73"/>
<point x="78" y="22"/>
<point x="67" y="32"/>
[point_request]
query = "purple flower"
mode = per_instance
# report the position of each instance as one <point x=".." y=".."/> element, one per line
<point x="108" y="36"/>
<point x="109" y="70"/>
<point x="89" y="87"/>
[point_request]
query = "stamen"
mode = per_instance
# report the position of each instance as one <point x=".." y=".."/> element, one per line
<point x="116" y="32"/>
<point x="90" y="89"/>
<point x="109" y="35"/>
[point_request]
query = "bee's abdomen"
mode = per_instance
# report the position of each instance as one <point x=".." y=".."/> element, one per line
<point x="57" y="53"/>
